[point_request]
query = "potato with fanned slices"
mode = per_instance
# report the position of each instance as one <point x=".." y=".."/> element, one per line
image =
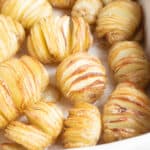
<point x="82" y="127"/>
<point x="47" y="116"/>
<point x="28" y="136"/>
<point x="27" y="12"/>
<point x="46" y="122"/>
<point x="62" y="3"/>
<point x="88" y="9"/>
<point x="129" y="63"/>
<point x="53" y="39"/>
<point x="21" y="83"/>
<point x="118" y="21"/>
<point x="12" y="36"/>
<point x="81" y="77"/>
<point x="126" y="114"/>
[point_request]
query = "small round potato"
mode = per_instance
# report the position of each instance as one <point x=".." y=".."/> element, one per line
<point x="81" y="77"/>
<point x="118" y="21"/>
<point x="27" y="12"/>
<point x="30" y="137"/>
<point x="45" y="122"/>
<point x="21" y="83"/>
<point x="126" y="114"/>
<point x="128" y="63"/>
<point x="82" y="127"/>
<point x="88" y="9"/>
<point x="47" y="116"/>
<point x="53" y="39"/>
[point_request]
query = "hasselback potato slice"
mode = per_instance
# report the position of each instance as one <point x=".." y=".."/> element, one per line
<point x="118" y="21"/>
<point x="88" y="9"/>
<point x="22" y="134"/>
<point x="27" y="12"/>
<point x="81" y="77"/>
<point x="129" y="63"/>
<point x="82" y="127"/>
<point x="21" y="83"/>
<point x="53" y="39"/>
<point x="126" y="114"/>
<point x="47" y="116"/>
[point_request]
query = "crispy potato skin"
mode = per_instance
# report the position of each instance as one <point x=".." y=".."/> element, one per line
<point x="27" y="12"/>
<point x="129" y="63"/>
<point x="88" y="9"/>
<point x="126" y="114"/>
<point x="82" y="127"/>
<point x="53" y="39"/>
<point x="118" y="21"/>
<point x="81" y="77"/>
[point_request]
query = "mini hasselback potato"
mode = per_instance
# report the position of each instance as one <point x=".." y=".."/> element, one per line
<point x="46" y="122"/>
<point x="27" y="12"/>
<point x="12" y="37"/>
<point x="81" y="77"/>
<point x="10" y="146"/>
<point x="82" y="127"/>
<point x="53" y="39"/>
<point x="126" y="114"/>
<point x="88" y="9"/>
<point x="21" y="83"/>
<point x="28" y="136"/>
<point x="28" y="89"/>
<point x="118" y="21"/>
<point x="128" y="63"/>
<point x="46" y="116"/>
<point x="62" y="3"/>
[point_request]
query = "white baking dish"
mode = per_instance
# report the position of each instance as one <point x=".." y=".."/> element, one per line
<point x="138" y="143"/>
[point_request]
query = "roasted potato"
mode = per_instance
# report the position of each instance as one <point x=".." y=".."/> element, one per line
<point x="118" y="21"/>
<point x="27" y="12"/>
<point x="82" y="127"/>
<point x="129" y="63"/>
<point x="81" y="77"/>
<point x="126" y="114"/>
<point x="53" y="39"/>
